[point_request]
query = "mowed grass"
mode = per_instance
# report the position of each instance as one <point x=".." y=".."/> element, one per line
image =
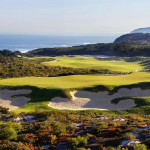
<point x="93" y="63"/>
<point x="77" y="81"/>
<point x="45" y="88"/>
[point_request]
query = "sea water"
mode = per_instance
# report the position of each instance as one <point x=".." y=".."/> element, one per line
<point x="25" y="43"/>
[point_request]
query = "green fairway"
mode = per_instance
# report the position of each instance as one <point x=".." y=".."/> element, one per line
<point x="77" y="81"/>
<point x="45" y="88"/>
<point x="93" y="63"/>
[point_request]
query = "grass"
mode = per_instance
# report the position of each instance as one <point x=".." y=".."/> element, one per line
<point x="77" y="81"/>
<point x="45" y="88"/>
<point x="39" y="100"/>
<point x="93" y="63"/>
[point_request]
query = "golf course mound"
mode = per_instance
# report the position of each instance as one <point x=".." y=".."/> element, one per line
<point x="11" y="99"/>
<point x="101" y="100"/>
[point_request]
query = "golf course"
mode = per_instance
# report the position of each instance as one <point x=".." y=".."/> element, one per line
<point x="94" y="63"/>
<point x="47" y="93"/>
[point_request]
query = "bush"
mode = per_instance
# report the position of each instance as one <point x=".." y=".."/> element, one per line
<point x="82" y="140"/>
<point x="110" y="148"/>
<point x="9" y="130"/>
<point x="4" y="110"/>
<point x="129" y="136"/>
<point x="147" y="142"/>
<point x="82" y="148"/>
<point x="79" y="141"/>
<point x="13" y="146"/>
<point x="59" y="128"/>
<point x="140" y="147"/>
<point x="8" y="133"/>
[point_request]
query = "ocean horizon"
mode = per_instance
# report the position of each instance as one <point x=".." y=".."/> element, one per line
<point x="24" y="42"/>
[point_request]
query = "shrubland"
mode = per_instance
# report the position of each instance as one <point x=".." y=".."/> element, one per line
<point x="11" y="67"/>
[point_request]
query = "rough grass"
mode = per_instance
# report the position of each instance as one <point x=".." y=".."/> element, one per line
<point x="93" y="63"/>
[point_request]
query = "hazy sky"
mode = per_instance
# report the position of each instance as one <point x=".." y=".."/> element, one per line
<point x="73" y="16"/>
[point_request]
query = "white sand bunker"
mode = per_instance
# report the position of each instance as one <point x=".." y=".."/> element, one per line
<point x="102" y="100"/>
<point x="7" y="100"/>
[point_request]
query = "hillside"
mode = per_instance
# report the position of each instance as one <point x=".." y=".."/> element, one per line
<point x="136" y="44"/>
<point x="135" y="38"/>
<point x="113" y="49"/>
<point x="91" y="49"/>
<point x="141" y="30"/>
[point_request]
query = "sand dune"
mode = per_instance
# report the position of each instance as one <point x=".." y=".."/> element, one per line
<point x="102" y="100"/>
<point x="6" y="99"/>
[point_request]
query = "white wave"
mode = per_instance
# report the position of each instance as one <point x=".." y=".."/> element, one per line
<point x="86" y="43"/>
<point x="64" y="45"/>
<point x="24" y="50"/>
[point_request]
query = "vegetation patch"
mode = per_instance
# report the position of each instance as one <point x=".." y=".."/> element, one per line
<point x="11" y="67"/>
<point x="94" y="63"/>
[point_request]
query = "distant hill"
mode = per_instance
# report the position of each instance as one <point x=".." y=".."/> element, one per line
<point x="141" y="30"/>
<point x="134" y="44"/>
<point x="134" y="39"/>
<point x="113" y="49"/>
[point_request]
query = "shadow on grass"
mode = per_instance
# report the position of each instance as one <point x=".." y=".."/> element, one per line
<point x="41" y="97"/>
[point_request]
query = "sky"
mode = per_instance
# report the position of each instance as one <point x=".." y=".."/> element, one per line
<point x="73" y="17"/>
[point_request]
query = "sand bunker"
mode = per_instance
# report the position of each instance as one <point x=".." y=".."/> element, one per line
<point x="102" y="100"/>
<point x="7" y="100"/>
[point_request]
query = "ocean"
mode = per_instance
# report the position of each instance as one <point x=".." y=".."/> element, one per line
<point x="25" y="43"/>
